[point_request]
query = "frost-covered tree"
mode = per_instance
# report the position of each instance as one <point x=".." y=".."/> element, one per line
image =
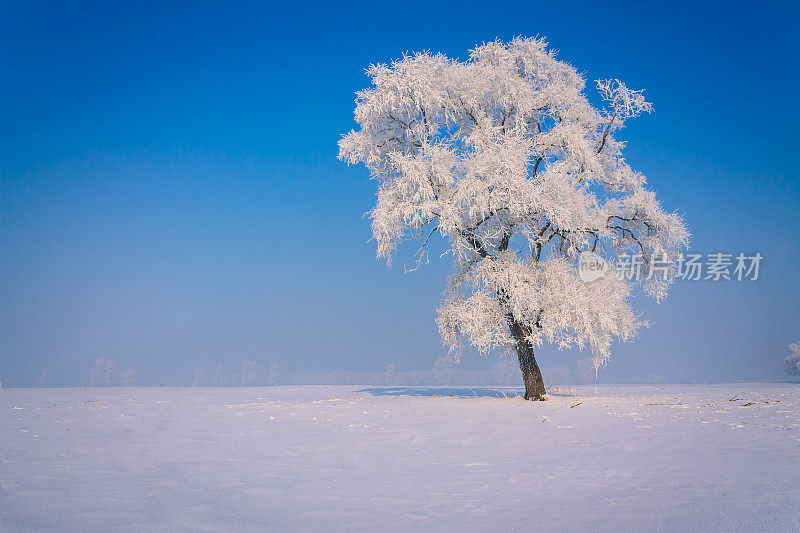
<point x="199" y="377"/>
<point x="273" y="377"/>
<point x="249" y="369"/>
<point x="505" y="157"/>
<point x="442" y="369"/>
<point x="102" y="373"/>
<point x="129" y="378"/>
<point x="390" y="374"/>
<point x="505" y="371"/>
<point x="791" y="365"/>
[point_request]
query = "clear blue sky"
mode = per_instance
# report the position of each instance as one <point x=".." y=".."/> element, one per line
<point x="171" y="197"/>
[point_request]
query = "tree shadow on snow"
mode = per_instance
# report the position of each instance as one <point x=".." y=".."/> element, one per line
<point x="458" y="392"/>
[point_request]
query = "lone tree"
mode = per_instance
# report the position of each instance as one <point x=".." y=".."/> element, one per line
<point x="505" y="157"/>
<point x="791" y="365"/>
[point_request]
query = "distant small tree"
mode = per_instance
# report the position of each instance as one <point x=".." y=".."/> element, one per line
<point x="586" y="371"/>
<point x="102" y="372"/>
<point x="791" y="365"/>
<point x="273" y="377"/>
<point x="199" y="377"/>
<point x="505" y="157"/>
<point x="390" y="374"/>
<point x="248" y="373"/>
<point x="129" y="378"/>
<point x="219" y="378"/>
<point x="442" y="369"/>
<point x="505" y="371"/>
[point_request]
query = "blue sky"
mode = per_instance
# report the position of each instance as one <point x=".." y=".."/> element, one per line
<point x="171" y="198"/>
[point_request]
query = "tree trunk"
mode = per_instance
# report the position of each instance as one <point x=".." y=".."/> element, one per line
<point x="531" y="375"/>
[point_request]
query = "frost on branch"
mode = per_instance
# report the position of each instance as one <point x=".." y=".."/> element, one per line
<point x="504" y="156"/>
<point x="624" y="102"/>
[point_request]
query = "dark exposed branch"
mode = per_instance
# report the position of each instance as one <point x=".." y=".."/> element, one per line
<point x="605" y="132"/>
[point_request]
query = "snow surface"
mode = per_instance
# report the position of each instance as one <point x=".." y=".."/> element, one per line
<point x="376" y="458"/>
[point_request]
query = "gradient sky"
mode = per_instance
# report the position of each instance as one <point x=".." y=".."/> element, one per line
<point x="171" y="197"/>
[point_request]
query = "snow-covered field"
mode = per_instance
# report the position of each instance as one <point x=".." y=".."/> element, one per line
<point x="360" y="458"/>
